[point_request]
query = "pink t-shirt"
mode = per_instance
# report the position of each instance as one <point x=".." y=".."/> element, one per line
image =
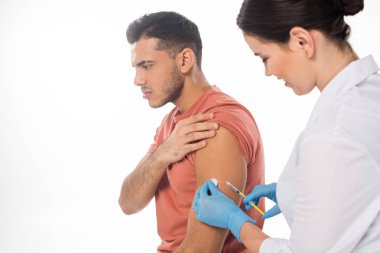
<point x="176" y="190"/>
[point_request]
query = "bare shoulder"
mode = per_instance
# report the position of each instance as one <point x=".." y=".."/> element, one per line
<point x="222" y="159"/>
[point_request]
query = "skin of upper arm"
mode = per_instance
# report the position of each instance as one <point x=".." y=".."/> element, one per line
<point x="221" y="159"/>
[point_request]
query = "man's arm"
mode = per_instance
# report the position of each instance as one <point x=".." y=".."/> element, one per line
<point x="140" y="186"/>
<point x="223" y="160"/>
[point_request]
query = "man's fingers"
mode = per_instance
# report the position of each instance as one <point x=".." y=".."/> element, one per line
<point x="198" y="127"/>
<point x="189" y="135"/>
<point x="196" y="136"/>
<point x="195" y="146"/>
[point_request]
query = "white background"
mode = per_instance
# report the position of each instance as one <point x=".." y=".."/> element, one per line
<point x="73" y="125"/>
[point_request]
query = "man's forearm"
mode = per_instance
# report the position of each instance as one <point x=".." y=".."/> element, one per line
<point x="140" y="186"/>
<point x="202" y="238"/>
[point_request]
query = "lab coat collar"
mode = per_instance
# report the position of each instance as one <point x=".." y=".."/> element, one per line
<point x="356" y="72"/>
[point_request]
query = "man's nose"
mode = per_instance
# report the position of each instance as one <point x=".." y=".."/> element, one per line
<point x="139" y="79"/>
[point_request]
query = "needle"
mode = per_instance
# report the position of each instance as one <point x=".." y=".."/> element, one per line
<point x="242" y="195"/>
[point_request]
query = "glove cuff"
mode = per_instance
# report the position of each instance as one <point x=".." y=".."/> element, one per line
<point x="237" y="221"/>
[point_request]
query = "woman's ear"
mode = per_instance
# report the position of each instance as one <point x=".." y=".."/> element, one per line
<point x="185" y="60"/>
<point x="301" y="40"/>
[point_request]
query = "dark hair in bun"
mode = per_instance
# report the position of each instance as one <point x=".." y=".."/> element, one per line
<point x="349" y="7"/>
<point x="272" y="20"/>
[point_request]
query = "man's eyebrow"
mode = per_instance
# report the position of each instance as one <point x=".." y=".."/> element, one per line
<point x="257" y="54"/>
<point x="139" y="64"/>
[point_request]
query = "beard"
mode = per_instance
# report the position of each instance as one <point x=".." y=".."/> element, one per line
<point x="174" y="86"/>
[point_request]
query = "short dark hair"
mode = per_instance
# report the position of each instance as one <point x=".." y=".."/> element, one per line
<point x="174" y="31"/>
<point x="272" y="20"/>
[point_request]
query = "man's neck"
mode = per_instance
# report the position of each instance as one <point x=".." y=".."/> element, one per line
<point x="193" y="89"/>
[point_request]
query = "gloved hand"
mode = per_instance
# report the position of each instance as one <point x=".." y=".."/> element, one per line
<point x="216" y="209"/>
<point x="264" y="190"/>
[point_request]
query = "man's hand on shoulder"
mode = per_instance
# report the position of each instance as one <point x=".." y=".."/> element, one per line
<point x="189" y="135"/>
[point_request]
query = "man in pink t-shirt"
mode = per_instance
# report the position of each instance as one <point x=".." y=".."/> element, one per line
<point x="207" y="135"/>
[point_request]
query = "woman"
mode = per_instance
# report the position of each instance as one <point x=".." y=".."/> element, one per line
<point x="329" y="192"/>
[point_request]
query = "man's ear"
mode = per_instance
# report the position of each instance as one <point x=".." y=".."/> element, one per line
<point x="185" y="60"/>
<point x="301" y="40"/>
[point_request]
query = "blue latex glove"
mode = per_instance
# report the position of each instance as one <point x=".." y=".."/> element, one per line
<point x="216" y="209"/>
<point x="264" y="190"/>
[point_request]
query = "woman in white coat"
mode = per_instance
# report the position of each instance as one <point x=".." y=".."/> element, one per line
<point x="329" y="192"/>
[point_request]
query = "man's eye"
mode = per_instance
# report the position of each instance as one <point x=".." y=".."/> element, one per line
<point x="147" y="66"/>
<point x="265" y="60"/>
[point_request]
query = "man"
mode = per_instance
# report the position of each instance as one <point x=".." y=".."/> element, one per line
<point x="208" y="134"/>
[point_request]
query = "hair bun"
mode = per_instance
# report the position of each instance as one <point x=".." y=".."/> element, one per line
<point x="348" y="7"/>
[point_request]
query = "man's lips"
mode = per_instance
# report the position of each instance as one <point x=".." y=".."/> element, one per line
<point x="146" y="94"/>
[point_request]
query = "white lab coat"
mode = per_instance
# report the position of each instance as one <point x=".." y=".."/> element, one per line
<point x="329" y="191"/>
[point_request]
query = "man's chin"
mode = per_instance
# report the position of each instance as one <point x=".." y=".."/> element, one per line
<point x="156" y="105"/>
